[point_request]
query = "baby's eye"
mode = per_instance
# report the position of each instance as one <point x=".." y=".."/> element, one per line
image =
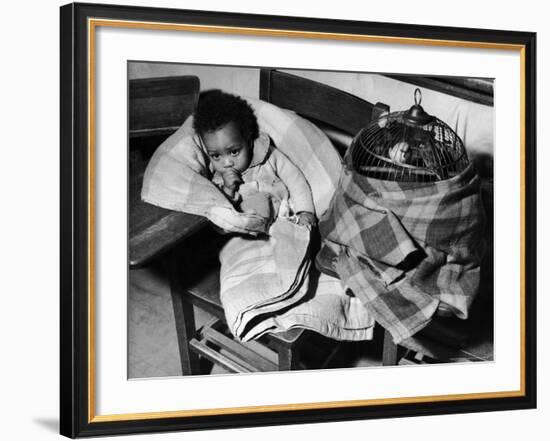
<point x="215" y="156"/>
<point x="235" y="152"/>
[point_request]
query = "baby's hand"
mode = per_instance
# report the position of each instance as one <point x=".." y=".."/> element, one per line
<point x="306" y="218"/>
<point x="231" y="179"/>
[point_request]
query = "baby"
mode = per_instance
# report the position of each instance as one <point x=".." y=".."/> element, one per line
<point x="253" y="174"/>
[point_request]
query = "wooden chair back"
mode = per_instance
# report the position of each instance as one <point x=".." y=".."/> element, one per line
<point x="159" y="106"/>
<point x="339" y="114"/>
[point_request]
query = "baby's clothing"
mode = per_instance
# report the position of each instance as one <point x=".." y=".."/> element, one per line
<point x="271" y="172"/>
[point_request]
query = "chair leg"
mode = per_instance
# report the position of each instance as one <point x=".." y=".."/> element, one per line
<point x="390" y="352"/>
<point x="288" y="359"/>
<point x="184" y="317"/>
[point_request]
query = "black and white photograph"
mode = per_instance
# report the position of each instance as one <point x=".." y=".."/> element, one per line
<point x="285" y="219"/>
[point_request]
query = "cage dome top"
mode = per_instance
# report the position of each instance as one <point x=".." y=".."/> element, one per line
<point x="410" y="146"/>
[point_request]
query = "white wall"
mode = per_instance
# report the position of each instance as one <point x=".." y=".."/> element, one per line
<point x="29" y="223"/>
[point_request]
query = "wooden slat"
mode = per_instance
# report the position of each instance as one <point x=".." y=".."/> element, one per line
<point x="216" y="357"/>
<point x="165" y="102"/>
<point x="160" y="112"/>
<point x="331" y="356"/>
<point x="264" y="350"/>
<point x="165" y="231"/>
<point x="265" y="84"/>
<point x="433" y="349"/>
<point x="259" y="348"/>
<point x="286" y="339"/>
<point x="164" y="86"/>
<point x="238" y="360"/>
<point x="256" y="360"/>
<point x="453" y="88"/>
<point x="481" y="85"/>
<point x="339" y="139"/>
<point x="315" y="101"/>
<point x="156" y="131"/>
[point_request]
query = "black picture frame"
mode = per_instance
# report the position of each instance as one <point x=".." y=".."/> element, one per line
<point x="77" y="419"/>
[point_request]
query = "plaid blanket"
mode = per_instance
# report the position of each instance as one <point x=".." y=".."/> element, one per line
<point x="260" y="277"/>
<point x="267" y="281"/>
<point x="405" y="247"/>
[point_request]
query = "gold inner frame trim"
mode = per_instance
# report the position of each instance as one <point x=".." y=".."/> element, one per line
<point x="92" y="24"/>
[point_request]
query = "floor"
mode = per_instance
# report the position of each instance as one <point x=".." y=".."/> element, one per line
<point x="153" y="350"/>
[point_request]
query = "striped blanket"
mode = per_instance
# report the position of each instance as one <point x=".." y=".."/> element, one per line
<point x="267" y="281"/>
<point x="403" y="248"/>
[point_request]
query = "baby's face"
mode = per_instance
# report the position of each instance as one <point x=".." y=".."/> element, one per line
<point x="227" y="149"/>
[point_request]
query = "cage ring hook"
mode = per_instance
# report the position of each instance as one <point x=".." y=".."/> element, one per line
<point x="417" y="96"/>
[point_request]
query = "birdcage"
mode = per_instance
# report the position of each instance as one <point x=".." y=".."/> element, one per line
<point x="408" y="146"/>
